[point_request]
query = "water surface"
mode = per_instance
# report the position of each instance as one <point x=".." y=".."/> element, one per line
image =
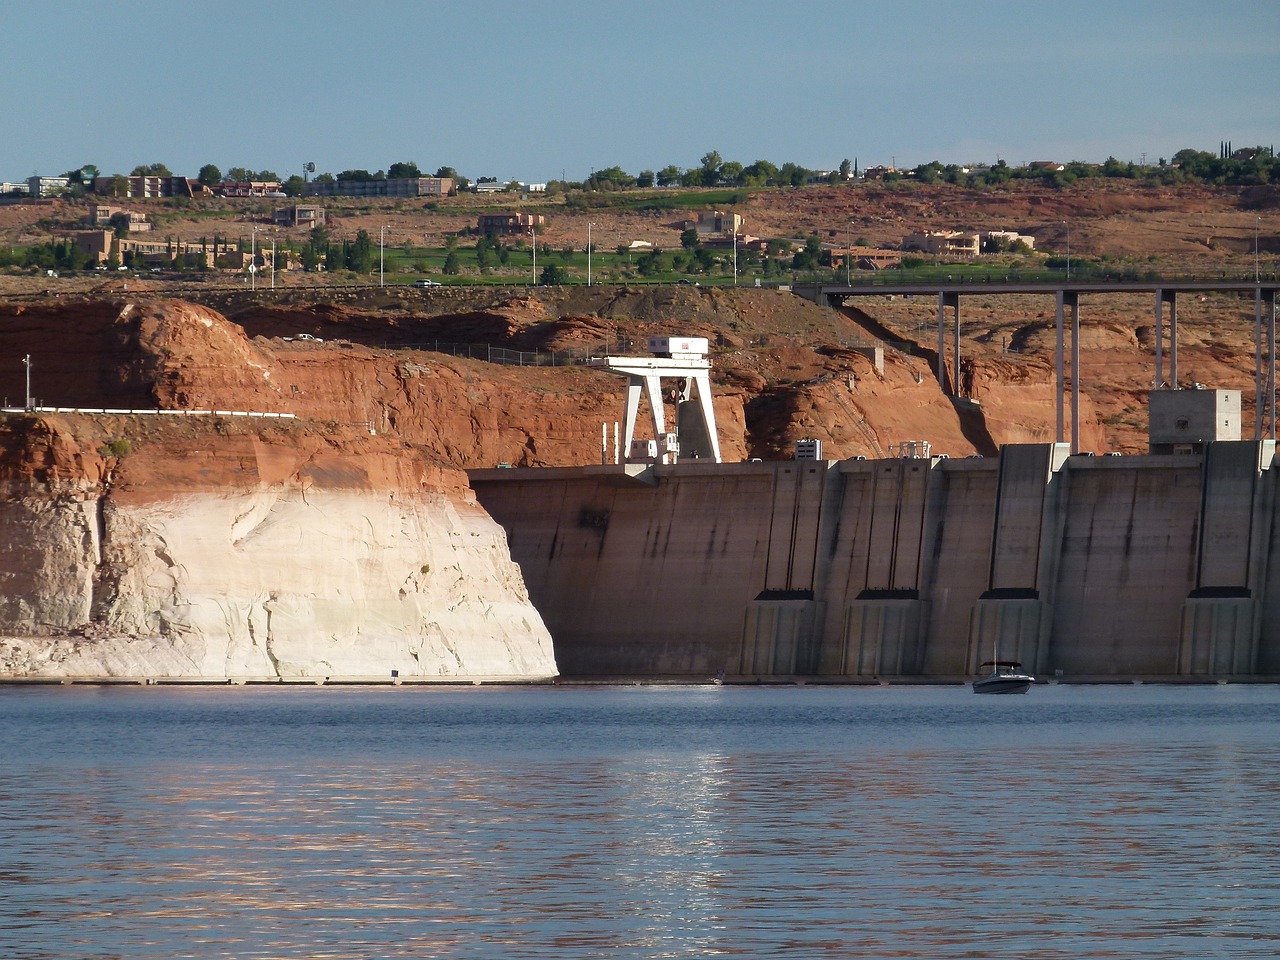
<point x="626" y="822"/>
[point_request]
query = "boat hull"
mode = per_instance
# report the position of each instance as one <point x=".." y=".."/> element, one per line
<point x="1002" y="684"/>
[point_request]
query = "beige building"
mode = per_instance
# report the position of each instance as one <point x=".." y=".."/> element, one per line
<point x="102" y="245"/>
<point x="308" y="216"/>
<point x="943" y="243"/>
<point x="100" y="215"/>
<point x="716" y="221"/>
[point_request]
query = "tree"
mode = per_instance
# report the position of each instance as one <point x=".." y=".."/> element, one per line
<point x="451" y="263"/>
<point x="310" y="258"/>
<point x="760" y="173"/>
<point x="650" y="263"/>
<point x="711" y="161"/>
<point x="689" y="239"/>
<point x="119" y="223"/>
<point x="731" y="172"/>
<point x="553" y="276"/>
<point x="294" y="186"/>
<point x="846" y="169"/>
<point x="151" y="170"/>
<point x="360" y="258"/>
<point x="209" y="175"/>
<point x="669" y="175"/>
<point x="447" y="173"/>
<point x="646" y="179"/>
<point x="403" y="171"/>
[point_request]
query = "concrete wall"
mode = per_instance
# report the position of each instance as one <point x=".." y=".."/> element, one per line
<point x="1083" y="566"/>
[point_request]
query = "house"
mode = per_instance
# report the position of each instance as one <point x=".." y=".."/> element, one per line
<point x="877" y="173"/>
<point x="1040" y="166"/>
<point x="308" y="216"/>
<point x="509" y="224"/>
<point x="946" y="243"/>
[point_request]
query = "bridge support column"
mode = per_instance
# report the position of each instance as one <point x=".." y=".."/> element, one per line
<point x="1264" y="386"/>
<point x="1170" y="297"/>
<point x="948" y="299"/>
<point x="1068" y="299"/>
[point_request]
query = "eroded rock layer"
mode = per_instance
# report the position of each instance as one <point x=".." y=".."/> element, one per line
<point x="219" y="547"/>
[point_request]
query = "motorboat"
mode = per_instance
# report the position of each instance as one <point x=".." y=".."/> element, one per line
<point x="1006" y="676"/>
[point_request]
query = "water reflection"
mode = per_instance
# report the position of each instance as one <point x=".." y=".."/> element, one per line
<point x="652" y="823"/>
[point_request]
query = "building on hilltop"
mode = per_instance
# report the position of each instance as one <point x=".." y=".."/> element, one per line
<point x="249" y="188"/>
<point x="145" y="187"/>
<point x="387" y="187"/>
<point x="46" y="186"/>
<point x="509" y="224"/>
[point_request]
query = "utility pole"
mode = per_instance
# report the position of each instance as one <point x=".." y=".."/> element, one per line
<point x="848" y="256"/>
<point x="26" y="361"/>
<point x="589" y="226"/>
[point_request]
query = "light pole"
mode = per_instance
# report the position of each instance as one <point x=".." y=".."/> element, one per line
<point x="273" y="261"/>
<point x="26" y="361"/>
<point x="589" y="226"/>
<point x="533" y="233"/>
<point x="1068" y="226"/>
<point x="253" y="259"/>
<point x="735" y="249"/>
<point x="382" y="263"/>
<point x="1257" y="274"/>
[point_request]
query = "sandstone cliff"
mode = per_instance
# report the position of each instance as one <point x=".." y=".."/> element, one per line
<point x="215" y="547"/>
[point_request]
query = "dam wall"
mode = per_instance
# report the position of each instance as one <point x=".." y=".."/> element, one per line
<point x="1077" y="566"/>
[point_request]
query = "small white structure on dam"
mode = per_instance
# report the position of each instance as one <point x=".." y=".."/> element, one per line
<point x="1184" y="421"/>
<point x="681" y="358"/>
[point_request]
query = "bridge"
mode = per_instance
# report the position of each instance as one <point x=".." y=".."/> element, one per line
<point x="1067" y="294"/>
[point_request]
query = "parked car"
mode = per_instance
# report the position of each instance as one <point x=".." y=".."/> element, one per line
<point x="426" y="283"/>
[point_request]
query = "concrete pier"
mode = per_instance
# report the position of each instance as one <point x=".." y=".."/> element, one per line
<point x="1079" y="566"/>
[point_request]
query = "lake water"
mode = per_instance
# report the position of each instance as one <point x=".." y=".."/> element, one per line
<point x="1123" y="821"/>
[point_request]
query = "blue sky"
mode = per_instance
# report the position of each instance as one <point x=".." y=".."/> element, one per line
<point x="542" y="90"/>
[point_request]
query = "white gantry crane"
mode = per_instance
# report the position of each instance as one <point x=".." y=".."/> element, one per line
<point x="683" y="359"/>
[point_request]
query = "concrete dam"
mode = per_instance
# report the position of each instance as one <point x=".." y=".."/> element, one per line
<point x="1080" y="567"/>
